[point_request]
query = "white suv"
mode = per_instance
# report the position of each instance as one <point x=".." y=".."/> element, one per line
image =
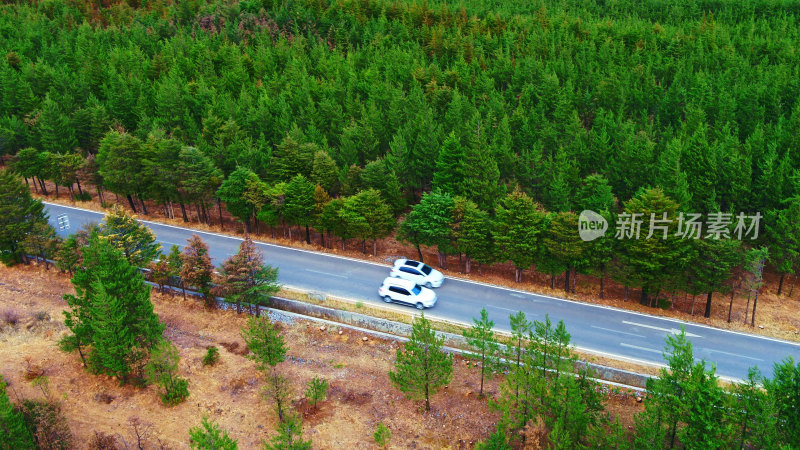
<point x="418" y="272"/>
<point x="405" y="291"/>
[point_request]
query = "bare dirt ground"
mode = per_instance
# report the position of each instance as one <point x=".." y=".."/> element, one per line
<point x="773" y="317"/>
<point x="360" y="394"/>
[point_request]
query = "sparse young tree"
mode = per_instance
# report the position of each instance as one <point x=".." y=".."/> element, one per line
<point x="316" y="391"/>
<point x="382" y="435"/>
<point x="289" y="437"/>
<point x="196" y="268"/>
<point x="209" y="436"/>
<point x="485" y="348"/>
<point x="422" y="366"/>
<point x="162" y="369"/>
<point x="245" y="278"/>
<point x="267" y="346"/>
<point x="68" y="257"/>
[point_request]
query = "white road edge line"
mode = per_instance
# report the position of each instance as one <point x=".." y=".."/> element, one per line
<point x="527" y="293"/>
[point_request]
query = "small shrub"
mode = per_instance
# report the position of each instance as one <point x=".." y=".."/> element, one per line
<point x="41" y="316"/>
<point x="48" y="423"/>
<point x="317" y="391"/>
<point x="359" y="305"/>
<point x="382" y="435"/>
<point x="102" y="441"/>
<point x="210" y="436"/>
<point x="212" y="356"/>
<point x="175" y="393"/>
<point x="83" y="197"/>
<point x="10" y="317"/>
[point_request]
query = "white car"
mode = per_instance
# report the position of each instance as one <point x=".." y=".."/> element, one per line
<point x="418" y="272"/>
<point x="404" y="291"/>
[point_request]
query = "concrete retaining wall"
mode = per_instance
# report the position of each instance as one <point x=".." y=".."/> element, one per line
<point x="605" y="373"/>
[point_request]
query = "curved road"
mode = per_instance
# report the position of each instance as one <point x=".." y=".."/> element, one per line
<point x="596" y="329"/>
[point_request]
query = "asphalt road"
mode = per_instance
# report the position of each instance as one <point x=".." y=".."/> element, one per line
<point x="597" y="329"/>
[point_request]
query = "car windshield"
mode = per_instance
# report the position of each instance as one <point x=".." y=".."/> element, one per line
<point x="416" y="290"/>
<point x="426" y="269"/>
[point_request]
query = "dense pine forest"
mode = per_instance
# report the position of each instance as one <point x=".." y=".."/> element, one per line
<point x="480" y="128"/>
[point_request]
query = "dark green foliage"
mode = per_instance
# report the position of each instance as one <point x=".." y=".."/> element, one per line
<point x="19" y="215"/>
<point x="232" y="193"/>
<point x="110" y="313"/>
<point x="573" y="103"/>
<point x="784" y="390"/>
<point x="209" y="436"/>
<point x="13" y="432"/>
<point x="298" y="204"/>
<point x="211" y="357"/>
<point x="316" y="391"/>
<point x="422" y="366"/>
<point x="518" y="228"/>
<point x="367" y="216"/>
<point x="428" y="223"/>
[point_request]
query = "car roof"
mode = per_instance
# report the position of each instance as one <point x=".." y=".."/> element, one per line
<point x="412" y="263"/>
<point x="400" y="282"/>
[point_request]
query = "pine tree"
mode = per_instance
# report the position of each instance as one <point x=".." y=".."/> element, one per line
<point x="325" y="173"/>
<point x="232" y="193"/>
<point x="196" y="269"/>
<point x="450" y="175"/>
<point x="120" y="160"/>
<point x="136" y="242"/>
<point x="111" y="311"/>
<point x="783" y="237"/>
<point x="367" y="216"/>
<point x="298" y="204"/>
<point x="209" y="436"/>
<point x="289" y="437"/>
<point x="472" y="229"/>
<point x="422" y="366"/>
<point x="518" y="228"/>
<point x="14" y="433"/>
<point x="753" y="412"/>
<point x="784" y="390"/>
<point x="55" y="133"/>
<point x="197" y="178"/>
<point x="429" y="223"/>
<point x="650" y="262"/>
<point x="377" y="175"/>
<point x="565" y="245"/>
<point x="485" y="348"/>
<point x="68" y="255"/>
<point x="245" y="278"/>
<point x="293" y="156"/>
<point x="331" y="221"/>
<point x="267" y="346"/>
<point x="19" y="215"/>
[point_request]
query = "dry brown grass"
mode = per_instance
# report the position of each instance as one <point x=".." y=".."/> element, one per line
<point x="360" y="395"/>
